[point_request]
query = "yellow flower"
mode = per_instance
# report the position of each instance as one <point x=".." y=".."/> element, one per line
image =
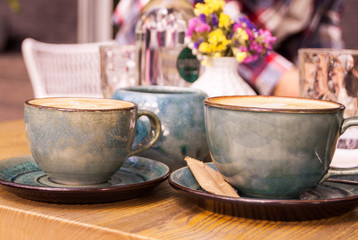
<point x="224" y="21"/>
<point x="217" y="54"/>
<point x="216" y="5"/>
<point x="201" y="8"/>
<point x="218" y="41"/>
<point x="204" y="48"/>
<point x="216" y="36"/>
<point x="240" y="56"/>
<point x="242" y="35"/>
<point x="209" y="7"/>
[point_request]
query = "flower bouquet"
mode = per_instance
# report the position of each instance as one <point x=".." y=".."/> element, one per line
<point x="212" y="33"/>
<point x="220" y="43"/>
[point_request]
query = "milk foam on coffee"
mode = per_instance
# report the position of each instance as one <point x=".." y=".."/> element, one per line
<point x="82" y="103"/>
<point x="274" y="102"/>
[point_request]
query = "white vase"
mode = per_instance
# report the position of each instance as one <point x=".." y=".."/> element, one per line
<point x="221" y="78"/>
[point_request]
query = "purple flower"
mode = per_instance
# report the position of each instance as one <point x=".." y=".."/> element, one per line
<point x="243" y="49"/>
<point x="202" y="18"/>
<point x="267" y="38"/>
<point x="196" y="25"/>
<point x="243" y="36"/>
<point x="231" y="35"/>
<point x="203" y="27"/>
<point x="196" y="44"/>
<point x="251" y="34"/>
<point x="191" y="26"/>
<point x="214" y="20"/>
<point x="248" y="23"/>
<point x="237" y="25"/>
<point x="256" y="47"/>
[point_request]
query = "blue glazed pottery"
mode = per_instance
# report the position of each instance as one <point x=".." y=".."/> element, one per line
<point x="84" y="141"/>
<point x="137" y="176"/>
<point x="271" y="147"/>
<point x="181" y="112"/>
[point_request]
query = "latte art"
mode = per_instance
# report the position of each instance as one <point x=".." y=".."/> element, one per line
<point x="82" y="103"/>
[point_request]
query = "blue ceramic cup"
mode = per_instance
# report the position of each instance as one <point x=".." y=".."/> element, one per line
<point x="181" y="112"/>
<point x="84" y="141"/>
<point x="274" y="147"/>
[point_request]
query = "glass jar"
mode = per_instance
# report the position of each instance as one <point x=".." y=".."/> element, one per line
<point x="160" y="33"/>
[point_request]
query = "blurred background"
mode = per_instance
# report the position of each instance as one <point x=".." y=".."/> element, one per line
<point x="55" y="21"/>
<point x="71" y="21"/>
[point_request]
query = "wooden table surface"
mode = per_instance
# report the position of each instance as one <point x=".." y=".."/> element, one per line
<point x="163" y="214"/>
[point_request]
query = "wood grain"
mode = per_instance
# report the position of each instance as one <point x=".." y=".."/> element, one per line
<point x="162" y="214"/>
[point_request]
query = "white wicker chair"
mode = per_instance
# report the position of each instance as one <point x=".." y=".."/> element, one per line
<point x="63" y="69"/>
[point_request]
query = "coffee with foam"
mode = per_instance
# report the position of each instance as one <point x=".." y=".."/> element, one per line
<point x="273" y="102"/>
<point x="82" y="103"/>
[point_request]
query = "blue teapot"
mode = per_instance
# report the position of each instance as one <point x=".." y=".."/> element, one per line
<point x="181" y="112"/>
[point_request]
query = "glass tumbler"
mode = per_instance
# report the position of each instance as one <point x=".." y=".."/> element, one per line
<point x="332" y="74"/>
<point x="118" y="68"/>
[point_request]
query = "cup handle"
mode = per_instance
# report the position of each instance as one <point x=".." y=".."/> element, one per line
<point x="348" y="122"/>
<point x="153" y="135"/>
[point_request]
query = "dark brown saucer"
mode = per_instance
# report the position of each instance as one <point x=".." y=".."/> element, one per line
<point x="138" y="175"/>
<point x="332" y="198"/>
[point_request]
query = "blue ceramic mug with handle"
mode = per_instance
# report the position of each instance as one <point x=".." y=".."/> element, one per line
<point x="84" y="141"/>
<point x="274" y="147"/>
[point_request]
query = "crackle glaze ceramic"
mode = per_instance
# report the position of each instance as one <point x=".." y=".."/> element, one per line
<point x="274" y="147"/>
<point x="78" y="143"/>
<point x="181" y="112"/>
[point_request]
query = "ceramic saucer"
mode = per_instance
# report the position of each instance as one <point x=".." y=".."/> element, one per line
<point x="332" y="198"/>
<point x="138" y="175"/>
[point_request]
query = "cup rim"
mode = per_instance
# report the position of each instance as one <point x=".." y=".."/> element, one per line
<point x="162" y="90"/>
<point x="335" y="105"/>
<point x="69" y="109"/>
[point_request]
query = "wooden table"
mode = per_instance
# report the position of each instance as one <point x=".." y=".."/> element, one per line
<point x="163" y="214"/>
